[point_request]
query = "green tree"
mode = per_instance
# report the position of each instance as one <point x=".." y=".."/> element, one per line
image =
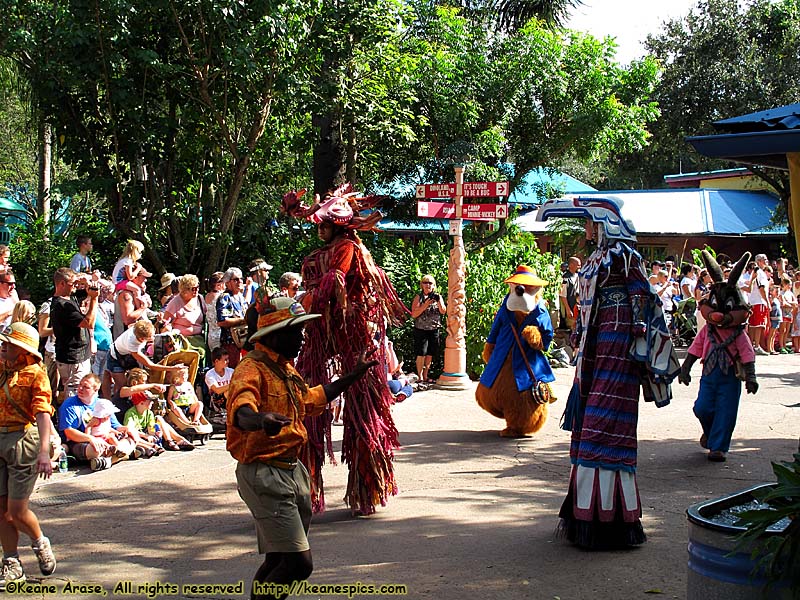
<point x="163" y="105"/>
<point x="534" y="98"/>
<point x="722" y="60"/>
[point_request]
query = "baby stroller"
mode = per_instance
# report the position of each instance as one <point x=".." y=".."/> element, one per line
<point x="684" y="323"/>
<point x="191" y="358"/>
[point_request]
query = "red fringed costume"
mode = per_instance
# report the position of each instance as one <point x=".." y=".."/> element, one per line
<point x="357" y="302"/>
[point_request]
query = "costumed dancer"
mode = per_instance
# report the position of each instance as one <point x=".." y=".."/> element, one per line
<point x="514" y="385"/>
<point x="357" y="303"/>
<point x="624" y="345"/>
<point x="727" y="356"/>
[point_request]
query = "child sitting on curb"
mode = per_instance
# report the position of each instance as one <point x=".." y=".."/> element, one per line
<point x="100" y="426"/>
<point x="141" y="419"/>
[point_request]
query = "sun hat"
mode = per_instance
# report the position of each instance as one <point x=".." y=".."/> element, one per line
<point x="103" y="408"/>
<point x="524" y="275"/>
<point x="23" y="336"/>
<point x="281" y="312"/>
<point x="167" y="279"/>
<point x="259" y="265"/>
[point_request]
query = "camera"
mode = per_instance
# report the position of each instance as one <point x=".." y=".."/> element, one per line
<point x="434" y="296"/>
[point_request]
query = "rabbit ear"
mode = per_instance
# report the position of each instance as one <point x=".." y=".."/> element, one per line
<point x="713" y="268"/>
<point x="738" y="268"/>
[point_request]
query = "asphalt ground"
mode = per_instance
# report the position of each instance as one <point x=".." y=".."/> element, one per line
<point x="475" y="517"/>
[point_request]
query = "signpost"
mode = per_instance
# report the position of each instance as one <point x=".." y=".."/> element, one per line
<point x="470" y="189"/>
<point x="455" y="347"/>
<point x="470" y="212"/>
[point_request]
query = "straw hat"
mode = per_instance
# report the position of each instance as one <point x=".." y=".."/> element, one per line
<point x="281" y="312"/>
<point x="524" y="275"/>
<point x="167" y="279"/>
<point x="23" y="336"/>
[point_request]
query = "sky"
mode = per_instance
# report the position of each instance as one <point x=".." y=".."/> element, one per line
<point x="629" y="21"/>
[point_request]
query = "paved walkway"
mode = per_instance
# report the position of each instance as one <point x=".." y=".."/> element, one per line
<point x="475" y="517"/>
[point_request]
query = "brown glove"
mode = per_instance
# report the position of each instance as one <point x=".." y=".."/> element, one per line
<point x="487" y="352"/>
<point x="533" y="336"/>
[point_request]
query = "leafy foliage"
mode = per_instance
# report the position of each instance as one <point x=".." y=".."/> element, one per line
<point x="724" y="59"/>
<point x="778" y="554"/>
<point x="487" y="268"/>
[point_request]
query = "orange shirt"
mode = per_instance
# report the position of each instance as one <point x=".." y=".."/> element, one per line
<point x="255" y="385"/>
<point x="30" y="389"/>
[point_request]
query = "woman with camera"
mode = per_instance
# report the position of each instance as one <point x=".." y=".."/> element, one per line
<point x="427" y="309"/>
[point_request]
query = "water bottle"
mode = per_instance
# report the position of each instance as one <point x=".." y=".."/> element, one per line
<point x="62" y="462"/>
<point x="157" y="430"/>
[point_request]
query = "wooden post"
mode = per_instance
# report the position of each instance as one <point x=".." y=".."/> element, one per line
<point x="793" y="158"/>
<point x="455" y="347"/>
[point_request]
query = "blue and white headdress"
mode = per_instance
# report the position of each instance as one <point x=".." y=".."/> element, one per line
<point x="605" y="210"/>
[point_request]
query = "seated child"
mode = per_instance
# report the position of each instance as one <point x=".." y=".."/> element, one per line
<point x="219" y="378"/>
<point x="100" y="426"/>
<point x="182" y="399"/>
<point x="398" y="382"/>
<point x="141" y="420"/>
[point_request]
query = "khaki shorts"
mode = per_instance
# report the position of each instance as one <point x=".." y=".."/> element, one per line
<point x="18" y="453"/>
<point x="280" y="502"/>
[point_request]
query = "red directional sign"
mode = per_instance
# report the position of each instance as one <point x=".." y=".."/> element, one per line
<point x="471" y="212"/>
<point x="471" y="189"/>
<point x="436" y="190"/>
<point x="484" y="189"/>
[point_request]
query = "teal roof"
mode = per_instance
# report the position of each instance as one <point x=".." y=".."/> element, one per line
<point x="415" y="226"/>
<point x="690" y="212"/>
<point x="9" y="206"/>
<point x="529" y="192"/>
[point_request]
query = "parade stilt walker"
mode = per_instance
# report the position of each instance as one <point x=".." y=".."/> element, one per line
<point x="357" y="303"/>
<point x="624" y="347"/>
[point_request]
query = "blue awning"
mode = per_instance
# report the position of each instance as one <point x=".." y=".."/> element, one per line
<point x="759" y="138"/>
<point x="528" y="192"/>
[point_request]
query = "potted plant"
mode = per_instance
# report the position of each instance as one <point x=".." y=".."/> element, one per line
<point x="776" y="556"/>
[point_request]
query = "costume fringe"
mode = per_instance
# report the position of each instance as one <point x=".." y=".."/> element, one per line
<point x="357" y="305"/>
<point x="601" y="536"/>
<point x="572" y="419"/>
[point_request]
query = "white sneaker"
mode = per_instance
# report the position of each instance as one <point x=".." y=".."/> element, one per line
<point x="44" y="554"/>
<point x="11" y="572"/>
<point x="100" y="463"/>
<point x="760" y="351"/>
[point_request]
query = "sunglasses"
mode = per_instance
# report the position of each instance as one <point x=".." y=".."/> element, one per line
<point x="236" y="278"/>
<point x="427" y="283"/>
<point x="195" y="288"/>
<point x="9" y="283"/>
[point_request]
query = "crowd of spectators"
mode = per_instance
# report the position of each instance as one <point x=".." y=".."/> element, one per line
<point x="771" y="287"/>
<point x="98" y="337"/>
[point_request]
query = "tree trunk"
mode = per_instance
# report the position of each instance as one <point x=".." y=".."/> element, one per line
<point x="328" y="168"/>
<point x="45" y="157"/>
<point x="351" y="173"/>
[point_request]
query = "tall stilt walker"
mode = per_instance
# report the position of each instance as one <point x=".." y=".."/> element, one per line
<point x="624" y="346"/>
<point x="357" y="303"/>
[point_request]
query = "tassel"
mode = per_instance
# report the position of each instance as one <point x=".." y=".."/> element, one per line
<point x="572" y="419"/>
